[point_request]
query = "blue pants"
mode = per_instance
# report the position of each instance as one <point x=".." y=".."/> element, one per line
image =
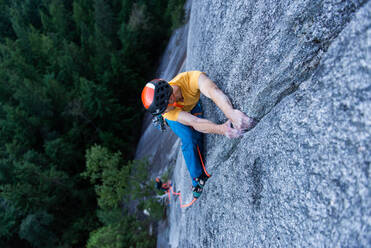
<point x="191" y="139"/>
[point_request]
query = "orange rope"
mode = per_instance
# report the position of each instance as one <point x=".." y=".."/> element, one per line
<point x="202" y="162"/>
<point x="189" y="204"/>
<point x="178" y="194"/>
<point x="168" y="194"/>
<point x="180" y="198"/>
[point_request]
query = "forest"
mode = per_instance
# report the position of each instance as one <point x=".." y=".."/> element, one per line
<point x="71" y="72"/>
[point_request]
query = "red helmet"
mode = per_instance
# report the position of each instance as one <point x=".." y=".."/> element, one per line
<point x="155" y="96"/>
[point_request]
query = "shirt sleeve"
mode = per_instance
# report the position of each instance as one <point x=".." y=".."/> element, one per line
<point x="193" y="77"/>
<point x="172" y="115"/>
<point x="180" y="79"/>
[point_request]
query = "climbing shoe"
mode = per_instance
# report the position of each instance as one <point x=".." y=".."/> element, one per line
<point x="201" y="180"/>
<point x="196" y="191"/>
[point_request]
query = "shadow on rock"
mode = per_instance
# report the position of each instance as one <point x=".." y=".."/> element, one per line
<point x="256" y="175"/>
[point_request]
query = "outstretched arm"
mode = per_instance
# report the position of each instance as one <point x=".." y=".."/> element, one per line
<point x="206" y="126"/>
<point x="239" y="119"/>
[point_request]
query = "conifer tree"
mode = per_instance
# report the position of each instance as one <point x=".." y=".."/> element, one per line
<point x="71" y="72"/>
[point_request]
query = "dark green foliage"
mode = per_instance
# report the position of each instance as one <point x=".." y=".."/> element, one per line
<point x="71" y="73"/>
<point x="117" y="183"/>
<point x="8" y="219"/>
<point x="176" y="13"/>
<point x="126" y="233"/>
<point x="35" y="228"/>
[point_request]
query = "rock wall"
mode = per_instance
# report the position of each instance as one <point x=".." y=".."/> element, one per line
<point x="161" y="148"/>
<point x="300" y="178"/>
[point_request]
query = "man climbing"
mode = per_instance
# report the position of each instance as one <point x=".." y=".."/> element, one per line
<point x="178" y="104"/>
<point x="162" y="186"/>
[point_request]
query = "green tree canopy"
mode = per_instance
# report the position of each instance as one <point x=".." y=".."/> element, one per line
<point x="71" y="72"/>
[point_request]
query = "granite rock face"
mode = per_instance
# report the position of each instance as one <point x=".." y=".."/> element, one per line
<point x="300" y="178"/>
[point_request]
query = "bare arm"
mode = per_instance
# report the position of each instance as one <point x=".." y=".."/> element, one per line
<point x="211" y="90"/>
<point x="206" y="126"/>
<point x="239" y="119"/>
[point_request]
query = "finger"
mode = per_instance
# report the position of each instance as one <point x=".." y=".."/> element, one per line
<point x="246" y="121"/>
<point x="237" y="134"/>
<point x="237" y="124"/>
<point x="251" y="124"/>
<point x="233" y="133"/>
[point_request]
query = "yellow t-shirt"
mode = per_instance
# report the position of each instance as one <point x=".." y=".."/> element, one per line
<point x="188" y="83"/>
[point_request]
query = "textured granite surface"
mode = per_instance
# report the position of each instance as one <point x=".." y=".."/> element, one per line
<point x="300" y="178"/>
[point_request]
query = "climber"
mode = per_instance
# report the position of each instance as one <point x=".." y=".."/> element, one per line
<point x="162" y="186"/>
<point x="177" y="104"/>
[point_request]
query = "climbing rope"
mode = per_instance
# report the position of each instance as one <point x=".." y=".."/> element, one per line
<point x="202" y="162"/>
<point x="179" y="194"/>
<point x="180" y="198"/>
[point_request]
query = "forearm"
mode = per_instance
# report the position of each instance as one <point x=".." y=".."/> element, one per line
<point x="222" y="101"/>
<point x="240" y="120"/>
<point x="206" y="126"/>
